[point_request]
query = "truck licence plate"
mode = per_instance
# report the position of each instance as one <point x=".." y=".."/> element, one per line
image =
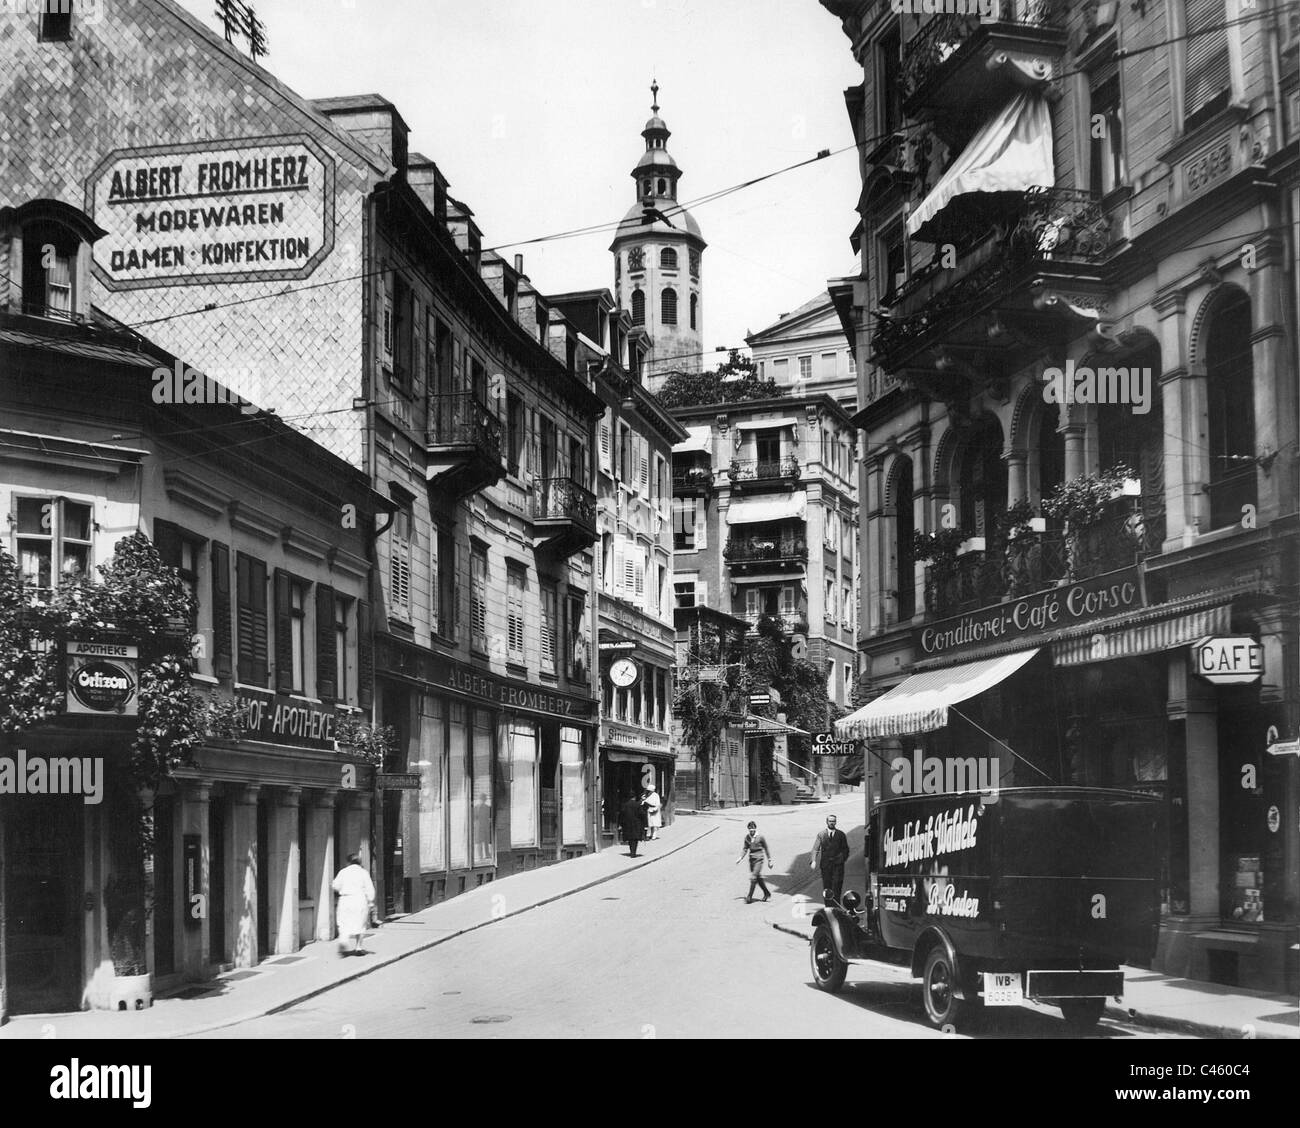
<point x="1002" y="989"/>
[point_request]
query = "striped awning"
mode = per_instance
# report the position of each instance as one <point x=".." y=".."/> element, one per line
<point x="697" y="439"/>
<point x="1130" y="640"/>
<point x="920" y="703"/>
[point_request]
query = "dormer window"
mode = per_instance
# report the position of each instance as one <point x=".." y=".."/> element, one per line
<point x="56" y="21"/>
<point x="49" y="268"/>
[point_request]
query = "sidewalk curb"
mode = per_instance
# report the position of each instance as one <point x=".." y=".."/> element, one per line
<point x="1142" y="1018"/>
<point x="390" y="960"/>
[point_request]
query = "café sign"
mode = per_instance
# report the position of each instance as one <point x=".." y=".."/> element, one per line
<point x="825" y="744"/>
<point x="1055" y="609"/>
<point x="189" y="215"/>
<point x="1228" y="661"/>
<point x="103" y="679"/>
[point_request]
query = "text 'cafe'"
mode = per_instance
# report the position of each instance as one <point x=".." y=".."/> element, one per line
<point x="1098" y="683"/>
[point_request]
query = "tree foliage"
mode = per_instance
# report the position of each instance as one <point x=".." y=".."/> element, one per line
<point x="734" y="381"/>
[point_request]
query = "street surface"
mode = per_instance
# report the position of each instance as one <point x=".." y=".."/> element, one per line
<point x="669" y="951"/>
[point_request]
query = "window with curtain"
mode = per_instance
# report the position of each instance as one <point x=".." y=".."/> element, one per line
<point x="481" y="820"/>
<point x="458" y="784"/>
<point x="1106" y="134"/>
<point x="573" y="785"/>
<point x="432" y="798"/>
<point x="523" y="783"/>
<point x="1230" y="396"/>
<point x="1206" y="77"/>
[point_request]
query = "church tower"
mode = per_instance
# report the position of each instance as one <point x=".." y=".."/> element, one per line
<point x="658" y="252"/>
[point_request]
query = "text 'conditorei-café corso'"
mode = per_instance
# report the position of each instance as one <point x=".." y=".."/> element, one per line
<point x="1045" y="612"/>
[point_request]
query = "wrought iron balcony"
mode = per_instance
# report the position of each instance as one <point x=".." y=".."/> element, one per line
<point x="463" y="444"/>
<point x="692" y="479"/>
<point x="766" y="550"/>
<point x="1034" y="562"/>
<point x="790" y="622"/>
<point x="1049" y="233"/>
<point x="964" y="64"/>
<point x="764" y="471"/>
<point x="564" y="515"/>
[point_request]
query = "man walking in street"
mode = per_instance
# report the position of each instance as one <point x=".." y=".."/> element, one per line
<point x="631" y="820"/>
<point x="829" y="853"/>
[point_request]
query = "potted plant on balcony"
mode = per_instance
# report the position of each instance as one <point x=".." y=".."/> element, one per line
<point x="941" y="549"/>
<point x="1083" y="504"/>
<point x="699" y="476"/>
<point x="1018" y="530"/>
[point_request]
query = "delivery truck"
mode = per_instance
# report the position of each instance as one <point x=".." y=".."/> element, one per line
<point x="993" y="898"/>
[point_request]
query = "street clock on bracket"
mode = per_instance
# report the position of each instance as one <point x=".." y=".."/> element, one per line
<point x="624" y="672"/>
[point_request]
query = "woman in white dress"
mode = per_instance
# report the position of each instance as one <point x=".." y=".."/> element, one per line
<point x="356" y="901"/>
<point x="653" y="811"/>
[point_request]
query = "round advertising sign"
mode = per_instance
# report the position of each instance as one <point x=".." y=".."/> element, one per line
<point x="103" y="686"/>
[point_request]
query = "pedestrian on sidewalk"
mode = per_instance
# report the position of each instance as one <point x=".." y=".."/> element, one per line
<point x="829" y="853"/>
<point x="653" y="811"/>
<point x="356" y="894"/>
<point x="755" y="848"/>
<point x="631" y="820"/>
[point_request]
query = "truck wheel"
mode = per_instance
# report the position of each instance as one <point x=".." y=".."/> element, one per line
<point x="938" y="990"/>
<point x="827" y="967"/>
<point x="1082" y="1014"/>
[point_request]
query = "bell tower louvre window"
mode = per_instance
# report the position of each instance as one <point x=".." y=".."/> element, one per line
<point x="670" y="307"/>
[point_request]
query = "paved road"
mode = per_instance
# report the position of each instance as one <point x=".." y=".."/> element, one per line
<point x="670" y="951"/>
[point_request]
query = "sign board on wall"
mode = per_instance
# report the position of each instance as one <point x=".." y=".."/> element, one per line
<point x="103" y="678"/>
<point x="189" y="215"/>
<point x="1228" y="661"/>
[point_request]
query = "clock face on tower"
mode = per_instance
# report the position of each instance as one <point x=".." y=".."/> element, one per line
<point x="624" y="673"/>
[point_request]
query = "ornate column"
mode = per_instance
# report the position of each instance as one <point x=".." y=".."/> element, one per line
<point x="1017" y="460"/>
<point x="1274" y="380"/>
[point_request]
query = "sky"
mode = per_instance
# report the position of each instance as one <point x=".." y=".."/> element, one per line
<point x="533" y="109"/>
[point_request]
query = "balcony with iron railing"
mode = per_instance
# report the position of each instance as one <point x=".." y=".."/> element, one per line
<point x="1009" y="259"/>
<point x="1034" y="562"/>
<point x="961" y="66"/>
<point x="788" y="622"/>
<point x="692" y="478"/>
<point x="564" y="515"/>
<point x="463" y="444"/>
<point x="786" y="550"/>
<point x="761" y="473"/>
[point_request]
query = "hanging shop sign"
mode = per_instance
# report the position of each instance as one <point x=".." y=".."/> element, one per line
<point x="825" y="744"/>
<point x="1056" y="609"/>
<point x="189" y="215"/>
<point x="397" y="781"/>
<point x="103" y="679"/>
<point x="1228" y="661"/>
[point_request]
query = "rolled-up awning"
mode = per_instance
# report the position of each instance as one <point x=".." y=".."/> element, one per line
<point x="752" y="511"/>
<point x="697" y="439"/>
<point x="1010" y="153"/>
<point x="766" y="424"/>
<point x="1128" y="640"/>
<point x="920" y="704"/>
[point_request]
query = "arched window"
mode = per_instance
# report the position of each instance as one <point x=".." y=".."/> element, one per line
<point x="983" y="480"/>
<point x="1230" y="410"/>
<point x="695" y="310"/>
<point x="669" y="307"/>
<point x="663" y="186"/>
<point x="668" y="259"/>
<point x="647" y="187"/>
<point x="904" y="524"/>
<point x="638" y="307"/>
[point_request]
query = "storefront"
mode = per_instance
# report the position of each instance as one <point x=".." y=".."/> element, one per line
<point x="633" y="759"/>
<point x="501" y="776"/>
<point x="1089" y="684"/>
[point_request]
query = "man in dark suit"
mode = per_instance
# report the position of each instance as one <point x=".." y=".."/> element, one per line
<point x="829" y="853"/>
<point x="632" y="822"/>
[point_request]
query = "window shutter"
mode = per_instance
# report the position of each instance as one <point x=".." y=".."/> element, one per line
<point x="251" y="601"/>
<point x="221" y="640"/>
<point x="620" y="585"/>
<point x="365" y="657"/>
<point x="283" y="633"/>
<point x="1207" y="73"/>
<point x="751" y="601"/>
<point x="400" y="578"/>
<point x="639" y="577"/>
<point x="326" y="658"/>
<point x="701" y="593"/>
<point x="701" y="525"/>
<point x="629" y="572"/>
<point x="787" y="601"/>
<point x="606" y="445"/>
<point x="435" y="580"/>
<point x="644" y="467"/>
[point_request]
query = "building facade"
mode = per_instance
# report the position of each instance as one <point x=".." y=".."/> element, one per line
<point x="658" y="261"/>
<point x="271" y="534"/>
<point x="1078" y="381"/>
<point x="765" y="525"/>
<point x="804" y="350"/>
<point x="324" y="272"/>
